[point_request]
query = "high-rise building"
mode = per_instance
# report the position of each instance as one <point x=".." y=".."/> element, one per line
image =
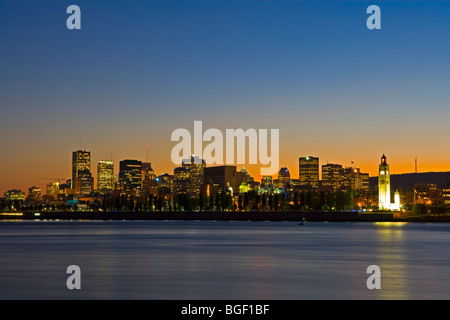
<point x="352" y="178"/>
<point x="130" y="176"/>
<point x="81" y="161"/>
<point x="331" y="175"/>
<point x="284" y="177"/>
<point x="221" y="177"/>
<point x="106" y="179"/>
<point x="365" y="182"/>
<point x="181" y="180"/>
<point x="165" y="183"/>
<point x="84" y="182"/>
<point x="196" y="168"/>
<point x="308" y="171"/>
<point x="149" y="183"/>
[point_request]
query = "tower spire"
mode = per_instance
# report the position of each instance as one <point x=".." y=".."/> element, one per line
<point x="383" y="160"/>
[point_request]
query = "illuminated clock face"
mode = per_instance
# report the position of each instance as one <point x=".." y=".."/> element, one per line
<point x="381" y="172"/>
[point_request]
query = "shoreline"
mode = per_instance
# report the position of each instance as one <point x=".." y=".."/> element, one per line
<point x="225" y="216"/>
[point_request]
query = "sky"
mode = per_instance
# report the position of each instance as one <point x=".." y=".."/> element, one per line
<point x="138" y="70"/>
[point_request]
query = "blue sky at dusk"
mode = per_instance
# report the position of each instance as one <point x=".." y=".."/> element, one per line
<point x="137" y="70"/>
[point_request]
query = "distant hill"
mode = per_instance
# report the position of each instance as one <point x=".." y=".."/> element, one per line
<point x="408" y="180"/>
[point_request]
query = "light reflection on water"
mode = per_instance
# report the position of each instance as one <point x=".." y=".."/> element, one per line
<point x="223" y="260"/>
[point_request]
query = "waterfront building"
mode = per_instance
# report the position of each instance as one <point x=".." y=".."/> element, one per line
<point x="196" y="167"/>
<point x="353" y="179"/>
<point x="81" y="161"/>
<point x="181" y="180"/>
<point x="165" y="183"/>
<point x="384" y="188"/>
<point x="308" y="171"/>
<point x="284" y="177"/>
<point x="130" y="176"/>
<point x="331" y="176"/>
<point x="426" y="193"/>
<point x="149" y="183"/>
<point x="84" y="182"/>
<point x="225" y="177"/>
<point x="105" y="176"/>
<point x="14" y="195"/>
<point x="446" y="192"/>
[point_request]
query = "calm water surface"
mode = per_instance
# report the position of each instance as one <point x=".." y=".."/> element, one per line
<point x="223" y="260"/>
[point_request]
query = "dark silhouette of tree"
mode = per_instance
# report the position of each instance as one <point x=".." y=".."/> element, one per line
<point x="201" y="202"/>
<point x="240" y="202"/>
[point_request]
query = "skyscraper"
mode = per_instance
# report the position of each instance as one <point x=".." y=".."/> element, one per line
<point x="130" y="176"/>
<point x="84" y="182"/>
<point x="81" y="160"/>
<point x="331" y="175"/>
<point x="284" y="177"/>
<point x="181" y="180"/>
<point x="105" y="176"/>
<point x="353" y="179"/>
<point x="196" y="168"/>
<point x="221" y="177"/>
<point x="308" y="171"/>
<point x="149" y="183"/>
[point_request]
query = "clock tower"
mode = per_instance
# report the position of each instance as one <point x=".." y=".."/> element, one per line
<point x="384" y="185"/>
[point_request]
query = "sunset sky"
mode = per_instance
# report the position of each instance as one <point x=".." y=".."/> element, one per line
<point x="137" y="70"/>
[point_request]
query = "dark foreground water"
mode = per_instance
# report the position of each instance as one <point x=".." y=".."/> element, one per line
<point x="223" y="260"/>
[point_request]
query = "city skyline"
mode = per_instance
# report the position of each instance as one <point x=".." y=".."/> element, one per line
<point x="253" y="170"/>
<point x="134" y="73"/>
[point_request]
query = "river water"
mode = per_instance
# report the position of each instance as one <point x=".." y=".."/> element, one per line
<point x="223" y="260"/>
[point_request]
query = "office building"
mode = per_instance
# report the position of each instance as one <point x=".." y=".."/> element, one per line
<point x="130" y="176"/>
<point x="284" y="177"/>
<point x="81" y="161"/>
<point x="426" y="193"/>
<point x="309" y="171"/>
<point x="222" y="177"/>
<point x="149" y="183"/>
<point x="84" y="182"/>
<point x="446" y="192"/>
<point x="352" y="178"/>
<point x="196" y="167"/>
<point x="105" y="176"/>
<point x="181" y="180"/>
<point x="165" y="183"/>
<point x="14" y="195"/>
<point x="331" y="176"/>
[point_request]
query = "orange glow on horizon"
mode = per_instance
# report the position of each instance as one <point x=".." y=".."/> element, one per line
<point x="58" y="163"/>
